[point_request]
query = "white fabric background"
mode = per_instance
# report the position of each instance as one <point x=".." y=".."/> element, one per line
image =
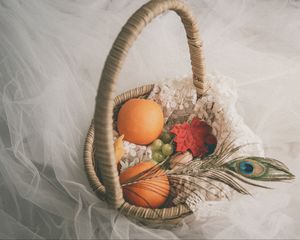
<point x="51" y="56"/>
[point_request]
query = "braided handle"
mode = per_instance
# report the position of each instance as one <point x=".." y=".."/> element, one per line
<point x="104" y="152"/>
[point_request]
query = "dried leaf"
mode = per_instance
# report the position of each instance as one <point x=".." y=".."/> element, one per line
<point x="119" y="148"/>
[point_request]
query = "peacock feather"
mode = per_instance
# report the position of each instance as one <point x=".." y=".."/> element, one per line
<point x="259" y="168"/>
<point x="203" y="175"/>
<point x="213" y="176"/>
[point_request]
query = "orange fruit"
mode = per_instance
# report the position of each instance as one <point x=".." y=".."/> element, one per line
<point x="140" y="120"/>
<point x="152" y="188"/>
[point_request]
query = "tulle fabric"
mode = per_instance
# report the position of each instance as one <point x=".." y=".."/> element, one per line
<point x="51" y="56"/>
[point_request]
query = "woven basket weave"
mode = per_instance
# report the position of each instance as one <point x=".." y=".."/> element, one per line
<point x="99" y="156"/>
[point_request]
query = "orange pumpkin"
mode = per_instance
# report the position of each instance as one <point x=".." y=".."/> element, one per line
<point x="145" y="185"/>
<point x="140" y="120"/>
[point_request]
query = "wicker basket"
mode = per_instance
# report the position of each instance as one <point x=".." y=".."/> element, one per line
<point x="99" y="156"/>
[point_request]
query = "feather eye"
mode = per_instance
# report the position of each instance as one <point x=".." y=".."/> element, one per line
<point x="261" y="169"/>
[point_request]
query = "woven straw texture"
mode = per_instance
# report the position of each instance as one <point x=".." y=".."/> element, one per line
<point x="99" y="152"/>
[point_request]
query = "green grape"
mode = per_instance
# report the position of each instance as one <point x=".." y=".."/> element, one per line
<point x="158" y="156"/>
<point x="167" y="149"/>
<point x="166" y="137"/>
<point x="156" y="145"/>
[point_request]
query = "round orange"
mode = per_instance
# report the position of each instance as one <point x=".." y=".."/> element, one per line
<point x="140" y="120"/>
<point x="152" y="188"/>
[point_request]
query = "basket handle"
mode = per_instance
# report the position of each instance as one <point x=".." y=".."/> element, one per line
<point x="104" y="152"/>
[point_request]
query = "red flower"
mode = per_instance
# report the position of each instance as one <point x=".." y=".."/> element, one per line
<point x="196" y="137"/>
